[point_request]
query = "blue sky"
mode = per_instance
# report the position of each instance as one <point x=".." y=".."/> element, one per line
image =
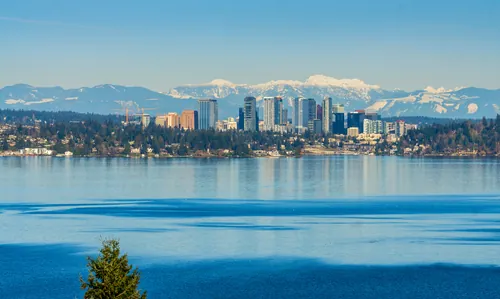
<point x="405" y="44"/>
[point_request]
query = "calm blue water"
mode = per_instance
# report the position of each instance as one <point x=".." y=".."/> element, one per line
<point x="344" y="227"/>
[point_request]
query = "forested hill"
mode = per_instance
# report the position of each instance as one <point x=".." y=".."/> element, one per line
<point x="481" y="138"/>
<point x="29" y="116"/>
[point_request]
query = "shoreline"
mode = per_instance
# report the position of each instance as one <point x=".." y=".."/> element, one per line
<point x="253" y="157"/>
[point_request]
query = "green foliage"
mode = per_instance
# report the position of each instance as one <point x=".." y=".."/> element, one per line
<point x="478" y="138"/>
<point x="110" y="275"/>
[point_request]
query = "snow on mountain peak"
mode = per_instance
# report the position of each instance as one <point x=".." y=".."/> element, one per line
<point x="431" y="89"/>
<point x="222" y="82"/>
<point x="322" y="80"/>
<point x="216" y="82"/>
<point x="278" y="83"/>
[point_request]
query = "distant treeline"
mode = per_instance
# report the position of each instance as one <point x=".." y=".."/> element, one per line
<point x="28" y="117"/>
<point x="424" y="120"/>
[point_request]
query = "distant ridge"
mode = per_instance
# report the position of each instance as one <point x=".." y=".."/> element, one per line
<point x="460" y="102"/>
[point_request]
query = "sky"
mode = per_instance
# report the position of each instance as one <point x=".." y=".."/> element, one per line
<point x="158" y="44"/>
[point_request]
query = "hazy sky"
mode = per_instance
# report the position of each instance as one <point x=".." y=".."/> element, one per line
<point x="160" y="44"/>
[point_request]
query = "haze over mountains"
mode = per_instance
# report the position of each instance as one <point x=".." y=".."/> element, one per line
<point x="462" y="102"/>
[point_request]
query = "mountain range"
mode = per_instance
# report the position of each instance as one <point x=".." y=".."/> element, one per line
<point x="463" y="102"/>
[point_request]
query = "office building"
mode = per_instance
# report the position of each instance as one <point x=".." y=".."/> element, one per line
<point x="319" y="112"/>
<point x="208" y="114"/>
<point x="355" y="119"/>
<point x="284" y="117"/>
<point x="273" y="112"/>
<point x="295" y="111"/>
<point x="161" y="120"/>
<point x="241" y="119"/>
<point x="189" y="120"/>
<point x="353" y="132"/>
<point x="250" y="114"/>
<point x="173" y="120"/>
<point x="257" y="121"/>
<point x="338" y="124"/>
<point x="327" y="115"/>
<point x="315" y="126"/>
<point x="338" y="108"/>
<point x="303" y="117"/>
<point x="312" y="109"/>
<point x="372" y="126"/>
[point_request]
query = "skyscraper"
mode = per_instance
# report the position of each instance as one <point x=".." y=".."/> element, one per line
<point x="273" y="112"/>
<point x="327" y="115"/>
<point x="311" y="109"/>
<point x="208" y="114"/>
<point x="303" y="115"/>
<point x="295" y="111"/>
<point x="241" y="119"/>
<point x="250" y="114"/>
<point x="319" y="112"/>
<point x="189" y="120"/>
<point x="284" y="116"/>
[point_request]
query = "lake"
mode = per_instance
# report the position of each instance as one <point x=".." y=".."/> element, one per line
<point x="333" y="227"/>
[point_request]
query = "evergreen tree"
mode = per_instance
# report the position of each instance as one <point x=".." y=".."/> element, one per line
<point x="110" y="275"/>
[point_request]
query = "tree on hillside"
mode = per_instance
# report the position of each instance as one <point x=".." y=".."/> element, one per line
<point x="110" y="275"/>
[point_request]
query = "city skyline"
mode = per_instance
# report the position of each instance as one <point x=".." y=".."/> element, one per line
<point x="394" y="44"/>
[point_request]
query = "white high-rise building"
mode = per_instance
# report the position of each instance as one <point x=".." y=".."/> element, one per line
<point x="303" y="115"/>
<point x="373" y="126"/>
<point x="327" y="115"/>
<point x="273" y="112"/>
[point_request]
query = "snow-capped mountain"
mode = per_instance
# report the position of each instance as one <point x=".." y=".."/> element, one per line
<point x="353" y="93"/>
<point x="317" y="86"/>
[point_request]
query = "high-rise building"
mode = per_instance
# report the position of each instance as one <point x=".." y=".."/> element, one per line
<point x="250" y="114"/>
<point x="241" y="119"/>
<point x="338" y="125"/>
<point x="273" y="112"/>
<point x="372" y="126"/>
<point x="355" y="119"/>
<point x="189" y="120"/>
<point x="161" y="120"/>
<point x="173" y="120"/>
<point x="400" y="128"/>
<point x="314" y="126"/>
<point x="296" y="114"/>
<point x="208" y="114"/>
<point x="284" y="116"/>
<point x="319" y="112"/>
<point x="303" y="117"/>
<point x="327" y="115"/>
<point x="338" y="108"/>
<point x="296" y="111"/>
<point x="312" y="110"/>
<point x="257" y="121"/>
<point x="389" y="128"/>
